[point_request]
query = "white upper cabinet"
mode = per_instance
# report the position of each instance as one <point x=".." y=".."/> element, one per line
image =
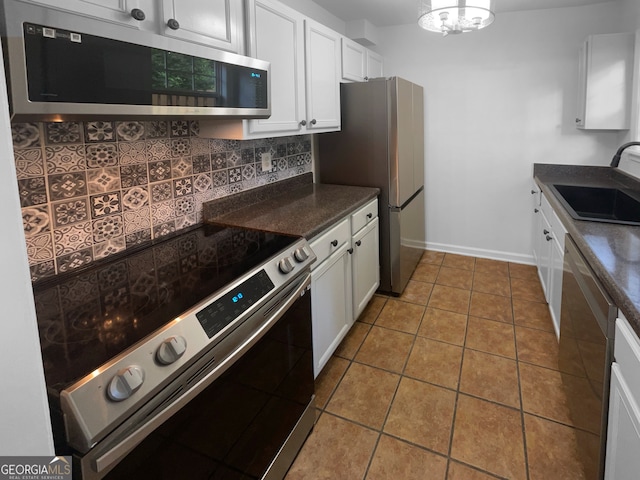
<point x="214" y="23"/>
<point x="322" y="49"/>
<point x="125" y="12"/>
<point x="358" y="62"/>
<point x="604" y="85"/>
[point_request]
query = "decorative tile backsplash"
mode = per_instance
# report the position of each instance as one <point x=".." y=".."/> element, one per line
<point x="92" y="189"/>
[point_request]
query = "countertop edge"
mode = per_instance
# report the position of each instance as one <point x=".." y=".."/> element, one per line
<point x="620" y="298"/>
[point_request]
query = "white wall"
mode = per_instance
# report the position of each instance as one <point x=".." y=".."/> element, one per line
<point x="24" y="412"/>
<point x="497" y="101"/>
<point x="319" y="14"/>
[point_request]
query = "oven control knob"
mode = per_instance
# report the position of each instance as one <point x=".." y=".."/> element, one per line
<point x="171" y="350"/>
<point x="285" y="265"/>
<point x="125" y="383"/>
<point x="301" y="254"/>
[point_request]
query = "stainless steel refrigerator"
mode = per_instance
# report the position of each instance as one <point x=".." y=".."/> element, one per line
<point x="382" y="145"/>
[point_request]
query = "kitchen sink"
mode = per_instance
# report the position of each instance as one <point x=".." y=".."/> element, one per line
<point x="599" y="204"/>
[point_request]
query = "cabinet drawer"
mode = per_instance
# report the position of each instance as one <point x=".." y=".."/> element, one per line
<point x="627" y="355"/>
<point x="363" y="216"/>
<point x="330" y="240"/>
<point x="557" y="228"/>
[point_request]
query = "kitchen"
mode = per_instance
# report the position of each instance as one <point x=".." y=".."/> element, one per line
<point x="522" y="67"/>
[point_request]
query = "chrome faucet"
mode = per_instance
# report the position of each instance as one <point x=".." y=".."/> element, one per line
<point x="616" y="158"/>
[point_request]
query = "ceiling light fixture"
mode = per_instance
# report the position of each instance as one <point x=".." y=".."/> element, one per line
<point x="455" y="16"/>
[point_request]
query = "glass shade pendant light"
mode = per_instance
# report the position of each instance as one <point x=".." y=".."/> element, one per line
<point x="455" y="16"/>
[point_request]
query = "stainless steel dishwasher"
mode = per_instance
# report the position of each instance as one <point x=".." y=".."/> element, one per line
<point x="586" y="352"/>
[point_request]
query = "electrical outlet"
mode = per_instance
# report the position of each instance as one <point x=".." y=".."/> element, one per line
<point x="266" y="161"/>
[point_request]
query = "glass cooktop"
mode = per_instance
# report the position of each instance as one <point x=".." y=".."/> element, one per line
<point x="88" y="317"/>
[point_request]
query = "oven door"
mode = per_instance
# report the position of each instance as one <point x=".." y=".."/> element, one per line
<point x="246" y="416"/>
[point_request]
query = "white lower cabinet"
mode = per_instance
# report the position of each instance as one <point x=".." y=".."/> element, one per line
<point x="622" y="461"/>
<point x="331" y="309"/>
<point x="344" y="277"/>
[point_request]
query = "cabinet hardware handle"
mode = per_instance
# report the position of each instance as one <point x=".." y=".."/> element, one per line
<point x="334" y="243"/>
<point x="578" y="120"/>
<point x="313" y="121"/>
<point x="545" y="231"/>
<point x="535" y="210"/>
<point x="533" y="192"/>
<point x="369" y="215"/>
<point x="303" y="123"/>
<point x="138" y="14"/>
<point x="358" y="243"/>
<point x="173" y="24"/>
<point x="549" y="237"/>
<point x="350" y="251"/>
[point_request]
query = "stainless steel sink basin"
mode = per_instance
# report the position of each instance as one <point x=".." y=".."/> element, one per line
<point x="599" y="204"/>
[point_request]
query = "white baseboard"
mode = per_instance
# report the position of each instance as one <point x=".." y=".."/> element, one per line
<point x="482" y="253"/>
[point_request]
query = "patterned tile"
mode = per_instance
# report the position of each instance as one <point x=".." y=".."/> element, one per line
<point x="194" y="127"/>
<point x="136" y="220"/>
<point x="200" y="146"/>
<point x="33" y="191"/>
<point x="107" y="227"/>
<point x="182" y="186"/>
<point x="181" y="167"/>
<point x="99" y="132"/>
<point x="234" y="158"/>
<point x="164" y="229"/>
<point x="235" y="174"/>
<point x="42" y="270"/>
<point x="29" y="162"/>
<point x="248" y="155"/>
<point x="180" y="147"/>
<point x="133" y="175"/>
<point x="281" y="150"/>
<point x="102" y="180"/>
<point x="40" y="248"/>
<point x="74" y="260"/>
<point x="186" y="221"/>
<point x="202" y="182"/>
<point x="218" y="145"/>
<point x="101" y="155"/>
<point x="162" y="212"/>
<point x="219" y="161"/>
<point x="159" y="171"/>
<point x="105" y="204"/>
<point x="159" y="149"/>
<point x="157" y="129"/>
<point x="184" y="205"/>
<point x="130" y="131"/>
<point x="135" y="198"/>
<point x="72" y="238"/>
<point x="67" y="185"/>
<point x="161" y="191"/>
<point x="220" y="178"/>
<point x="201" y="163"/>
<point x="25" y="135"/>
<point x="66" y="158"/>
<point x="179" y="128"/>
<point x="132" y="152"/>
<point x="137" y="238"/>
<point x="104" y="249"/>
<point x="282" y="164"/>
<point x="69" y="212"/>
<point x="62" y="132"/>
<point x="248" y="171"/>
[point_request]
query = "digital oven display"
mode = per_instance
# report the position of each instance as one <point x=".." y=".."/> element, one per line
<point x="217" y="315"/>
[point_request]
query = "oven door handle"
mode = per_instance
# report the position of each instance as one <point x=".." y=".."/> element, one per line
<point x="105" y="461"/>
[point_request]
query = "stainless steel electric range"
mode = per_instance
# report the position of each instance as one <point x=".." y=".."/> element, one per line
<point x="190" y="357"/>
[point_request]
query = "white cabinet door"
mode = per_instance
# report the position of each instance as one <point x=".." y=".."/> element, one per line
<point x="214" y="23"/>
<point x="375" y="65"/>
<point x="556" y="264"/>
<point x="604" y="83"/>
<point x="322" y="49"/>
<point x="280" y="40"/>
<point x="544" y="242"/>
<point x="622" y="461"/>
<point x="330" y="305"/>
<point x="116" y="11"/>
<point x="365" y="266"/>
<point x="354" y="61"/>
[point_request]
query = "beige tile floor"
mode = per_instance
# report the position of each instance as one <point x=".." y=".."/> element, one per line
<point x="455" y="380"/>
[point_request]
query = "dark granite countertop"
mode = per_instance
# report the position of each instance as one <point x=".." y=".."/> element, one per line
<point x="293" y="207"/>
<point x="613" y="251"/>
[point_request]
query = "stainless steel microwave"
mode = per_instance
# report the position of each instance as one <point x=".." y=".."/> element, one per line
<point x="61" y="66"/>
